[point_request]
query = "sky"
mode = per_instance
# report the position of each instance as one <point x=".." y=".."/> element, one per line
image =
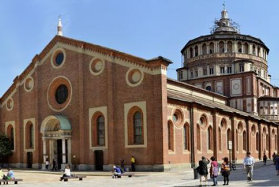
<point x="144" y="28"/>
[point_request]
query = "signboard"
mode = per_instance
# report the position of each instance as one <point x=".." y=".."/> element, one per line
<point x="230" y="145"/>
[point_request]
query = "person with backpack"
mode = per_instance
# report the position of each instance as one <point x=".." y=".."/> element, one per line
<point x="214" y="170"/>
<point x="225" y="170"/>
<point x="202" y="169"/>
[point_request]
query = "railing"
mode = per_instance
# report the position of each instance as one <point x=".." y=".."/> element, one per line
<point x="271" y="117"/>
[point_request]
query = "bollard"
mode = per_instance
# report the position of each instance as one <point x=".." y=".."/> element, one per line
<point x="195" y="173"/>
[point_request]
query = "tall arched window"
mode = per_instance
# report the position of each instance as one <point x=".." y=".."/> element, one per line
<point x="221" y="47"/>
<point x="246" y="48"/>
<point x="229" y="137"/>
<point x="211" y="48"/>
<point x="10" y="134"/>
<point x="236" y="140"/>
<point x="170" y="137"/>
<point x="101" y="131"/>
<point x="186" y="135"/>
<point x="244" y="141"/>
<point x="229" y="47"/>
<point x="191" y="52"/>
<point x="204" y="49"/>
<point x="135" y="126"/>
<point x="257" y="141"/>
<point x="196" y="51"/>
<point x="198" y="138"/>
<point x="210" y="138"/>
<point x="267" y="142"/>
<point x="220" y="139"/>
<point x="239" y="47"/>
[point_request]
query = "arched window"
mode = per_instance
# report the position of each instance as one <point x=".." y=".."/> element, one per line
<point x="239" y="47"/>
<point x="246" y="48"/>
<point x="196" y="51"/>
<point x="191" y="52"/>
<point x="186" y="135"/>
<point x="211" y="48"/>
<point x="31" y="140"/>
<point x="229" y="47"/>
<point x="236" y="140"/>
<point x="220" y="139"/>
<point x="259" y="50"/>
<point x="254" y="50"/>
<point x="10" y="134"/>
<point x="170" y="136"/>
<point x="29" y="135"/>
<point x="267" y="141"/>
<point x="257" y="141"/>
<point x="244" y="141"/>
<point x="204" y="49"/>
<point x="229" y="137"/>
<point x="135" y="127"/>
<point x="101" y="131"/>
<point x="221" y="47"/>
<point x="198" y="138"/>
<point x="210" y="138"/>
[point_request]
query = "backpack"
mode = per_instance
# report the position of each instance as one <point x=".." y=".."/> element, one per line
<point x="215" y="171"/>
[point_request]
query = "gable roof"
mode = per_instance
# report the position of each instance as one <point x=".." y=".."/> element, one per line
<point x="152" y="63"/>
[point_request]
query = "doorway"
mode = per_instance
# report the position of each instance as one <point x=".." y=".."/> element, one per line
<point x="99" y="160"/>
<point x="59" y="153"/>
<point x="29" y="159"/>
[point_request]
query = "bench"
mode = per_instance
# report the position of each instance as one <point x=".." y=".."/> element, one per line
<point x="11" y="180"/>
<point x="128" y="174"/>
<point x="79" y="177"/>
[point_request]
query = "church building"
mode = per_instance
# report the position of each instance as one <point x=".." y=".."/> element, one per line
<point x="91" y="107"/>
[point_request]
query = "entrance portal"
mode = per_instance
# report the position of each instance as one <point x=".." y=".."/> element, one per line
<point x="99" y="160"/>
<point x="57" y="132"/>
<point x="29" y="159"/>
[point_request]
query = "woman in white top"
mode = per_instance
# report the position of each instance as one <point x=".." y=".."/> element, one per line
<point x="67" y="173"/>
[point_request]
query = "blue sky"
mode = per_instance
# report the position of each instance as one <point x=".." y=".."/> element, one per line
<point x="144" y="28"/>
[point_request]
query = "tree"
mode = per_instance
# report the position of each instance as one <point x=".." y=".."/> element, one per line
<point x="6" y="147"/>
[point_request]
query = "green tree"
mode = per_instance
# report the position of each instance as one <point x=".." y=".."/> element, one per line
<point x="6" y="147"/>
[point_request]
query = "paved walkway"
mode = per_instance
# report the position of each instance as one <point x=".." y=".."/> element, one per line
<point x="263" y="176"/>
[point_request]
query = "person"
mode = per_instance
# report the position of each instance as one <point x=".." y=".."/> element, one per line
<point x="264" y="158"/>
<point x="1" y="174"/>
<point x="47" y="163"/>
<point x="202" y="169"/>
<point x="117" y="171"/>
<point x="67" y="173"/>
<point x="225" y="170"/>
<point x="133" y="163"/>
<point x="276" y="160"/>
<point x="122" y="165"/>
<point x="10" y="174"/>
<point x="54" y="167"/>
<point x="248" y="165"/>
<point x="214" y="170"/>
<point x="273" y="157"/>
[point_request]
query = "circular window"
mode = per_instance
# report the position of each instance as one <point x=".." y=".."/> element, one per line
<point x="174" y="118"/>
<point x="59" y="94"/>
<point x="58" y="58"/>
<point x="208" y="88"/>
<point x="28" y="84"/>
<point x="134" y="77"/>
<point x="96" y="66"/>
<point x="10" y="104"/>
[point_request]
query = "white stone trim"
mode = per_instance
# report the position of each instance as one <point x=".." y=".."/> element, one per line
<point x="6" y="127"/>
<point x="127" y="77"/>
<point x="12" y="107"/>
<point x="99" y="72"/>
<point x="70" y="95"/>
<point x="25" y="88"/>
<point x="92" y="111"/>
<point x="127" y="107"/>
<point x="53" y="56"/>
<point x="25" y="121"/>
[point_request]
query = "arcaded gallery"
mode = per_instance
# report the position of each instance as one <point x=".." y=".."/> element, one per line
<point x="90" y="106"/>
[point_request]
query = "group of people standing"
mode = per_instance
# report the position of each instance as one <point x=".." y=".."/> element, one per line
<point x="225" y="169"/>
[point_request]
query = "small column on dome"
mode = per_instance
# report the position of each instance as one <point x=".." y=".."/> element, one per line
<point x="59" y="27"/>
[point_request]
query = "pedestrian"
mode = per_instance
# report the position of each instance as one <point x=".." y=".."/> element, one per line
<point x="273" y="157"/>
<point x="1" y="174"/>
<point x="67" y="173"/>
<point x="122" y="165"/>
<point x="248" y="165"/>
<point x="47" y="163"/>
<point x="276" y="160"/>
<point x="264" y="159"/>
<point x="214" y="170"/>
<point x="133" y="163"/>
<point x="225" y="170"/>
<point x="202" y="170"/>
<point x="54" y="168"/>
<point x="10" y="174"/>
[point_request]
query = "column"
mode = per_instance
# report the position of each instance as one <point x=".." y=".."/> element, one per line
<point x="225" y="46"/>
<point x="248" y="147"/>
<point x="269" y="142"/>
<point x="44" y="150"/>
<point x="69" y="151"/>
<point x="63" y="151"/>
<point x="233" y="138"/>
<point x="260" y="140"/>
<point x="215" y="135"/>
